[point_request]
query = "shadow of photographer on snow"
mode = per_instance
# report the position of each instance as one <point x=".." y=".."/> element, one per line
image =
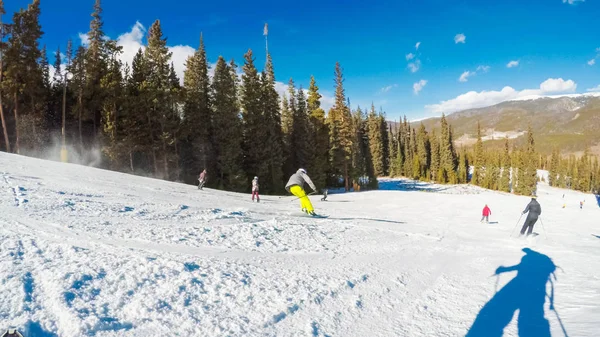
<point x="526" y="293"/>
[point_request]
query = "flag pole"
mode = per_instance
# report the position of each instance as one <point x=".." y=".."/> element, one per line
<point x="266" y="34"/>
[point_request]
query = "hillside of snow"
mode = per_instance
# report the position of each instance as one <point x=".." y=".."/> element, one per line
<point x="88" y="252"/>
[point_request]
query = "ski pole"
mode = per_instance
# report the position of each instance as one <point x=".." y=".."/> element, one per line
<point x="496" y="285"/>
<point x="544" y="228"/>
<point x="302" y="197"/>
<point x="562" y="326"/>
<point x="513" y="230"/>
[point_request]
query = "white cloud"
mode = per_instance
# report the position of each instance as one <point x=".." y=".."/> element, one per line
<point x="553" y="85"/>
<point x="410" y="56"/>
<point x="85" y="40"/>
<point x="417" y="45"/>
<point x="419" y="86"/>
<point x="483" y="69"/>
<point x="571" y="2"/>
<point x="595" y="89"/>
<point x="473" y="99"/>
<point x="388" y="88"/>
<point x="465" y="76"/>
<point x="512" y="64"/>
<point x="460" y="38"/>
<point x="591" y="62"/>
<point x="415" y="66"/>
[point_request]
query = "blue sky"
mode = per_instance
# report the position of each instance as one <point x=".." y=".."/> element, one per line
<point x="553" y="41"/>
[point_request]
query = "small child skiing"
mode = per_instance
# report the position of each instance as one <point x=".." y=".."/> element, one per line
<point x="486" y="214"/>
<point x="255" y="189"/>
<point x="202" y="179"/>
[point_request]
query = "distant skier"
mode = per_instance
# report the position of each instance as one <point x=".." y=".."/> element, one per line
<point x="255" y="189"/>
<point x="486" y="214"/>
<point x="534" y="210"/>
<point x="581" y="205"/>
<point x="324" y="198"/>
<point x="296" y="186"/>
<point x="202" y="179"/>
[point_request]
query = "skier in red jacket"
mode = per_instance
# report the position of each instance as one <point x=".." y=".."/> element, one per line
<point x="486" y="214"/>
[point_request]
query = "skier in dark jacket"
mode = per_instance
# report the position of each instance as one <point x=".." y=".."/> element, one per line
<point x="534" y="210"/>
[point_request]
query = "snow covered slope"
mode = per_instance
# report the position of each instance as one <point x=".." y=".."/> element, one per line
<point x="87" y="252"/>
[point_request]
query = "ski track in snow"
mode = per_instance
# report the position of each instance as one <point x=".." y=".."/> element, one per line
<point x="87" y="252"/>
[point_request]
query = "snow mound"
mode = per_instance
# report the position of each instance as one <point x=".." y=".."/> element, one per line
<point x="88" y="252"/>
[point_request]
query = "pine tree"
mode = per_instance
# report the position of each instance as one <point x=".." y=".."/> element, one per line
<point x="392" y="139"/>
<point x="157" y="57"/>
<point x="478" y="165"/>
<point x="385" y="143"/>
<point x="376" y="142"/>
<point x="447" y="154"/>
<point x="287" y="125"/>
<point x="197" y="127"/>
<point x="24" y="77"/>
<point x="518" y="171"/>
<point x="112" y="86"/>
<point x="340" y="135"/>
<point x="463" y="173"/>
<point x="504" y="183"/>
<point x="254" y="131"/>
<point x="554" y="167"/>
<point x="227" y="123"/>
<point x="96" y="67"/>
<point x="529" y="176"/>
<point x="408" y="146"/>
<point x="136" y="121"/>
<point x="2" y="51"/>
<point x="77" y="85"/>
<point x="435" y="156"/>
<point x="359" y="165"/>
<point x="320" y="135"/>
<point x="299" y="151"/>
<point x="274" y="136"/>
<point x="423" y="151"/>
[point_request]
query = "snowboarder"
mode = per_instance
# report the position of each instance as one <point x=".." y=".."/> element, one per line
<point x="202" y="179"/>
<point x="486" y="214"/>
<point x="255" y="189"/>
<point x="534" y="210"/>
<point x="296" y="186"/>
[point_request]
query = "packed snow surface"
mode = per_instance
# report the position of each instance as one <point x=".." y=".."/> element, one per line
<point x="88" y="252"/>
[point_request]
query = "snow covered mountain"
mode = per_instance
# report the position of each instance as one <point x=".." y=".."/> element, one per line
<point x="570" y="122"/>
<point x="88" y="252"/>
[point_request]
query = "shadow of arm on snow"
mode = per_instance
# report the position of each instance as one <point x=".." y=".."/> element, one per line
<point x="525" y="293"/>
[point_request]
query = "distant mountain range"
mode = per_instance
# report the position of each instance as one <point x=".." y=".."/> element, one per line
<point x="570" y="122"/>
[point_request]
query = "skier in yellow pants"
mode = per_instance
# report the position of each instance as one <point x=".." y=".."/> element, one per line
<point x="296" y="186"/>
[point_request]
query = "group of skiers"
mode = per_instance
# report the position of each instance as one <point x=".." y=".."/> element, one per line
<point x="533" y="209"/>
<point x="294" y="186"/>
